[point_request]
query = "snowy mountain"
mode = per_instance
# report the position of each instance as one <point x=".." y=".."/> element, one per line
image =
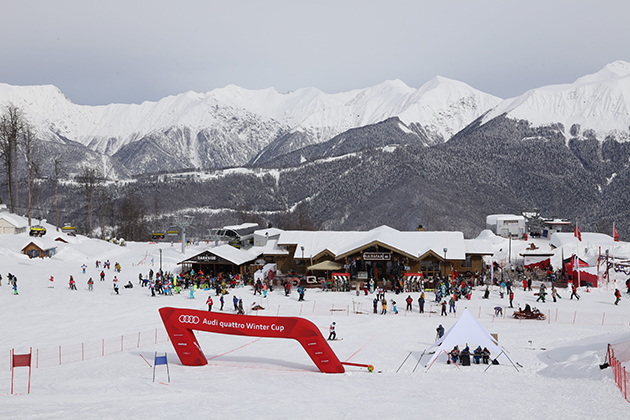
<point x="230" y="126"/>
<point x="594" y="106"/>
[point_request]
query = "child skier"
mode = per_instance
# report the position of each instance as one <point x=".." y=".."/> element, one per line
<point x="333" y="334"/>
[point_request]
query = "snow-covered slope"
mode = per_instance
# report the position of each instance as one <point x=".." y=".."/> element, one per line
<point x="599" y="103"/>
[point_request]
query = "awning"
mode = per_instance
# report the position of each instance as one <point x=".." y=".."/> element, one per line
<point x="326" y="266"/>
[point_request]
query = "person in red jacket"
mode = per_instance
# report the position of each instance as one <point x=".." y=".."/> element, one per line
<point x="618" y="296"/>
<point x="409" y="300"/>
<point x="209" y="303"/>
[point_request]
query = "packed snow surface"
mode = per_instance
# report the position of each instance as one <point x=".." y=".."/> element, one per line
<point x="271" y="378"/>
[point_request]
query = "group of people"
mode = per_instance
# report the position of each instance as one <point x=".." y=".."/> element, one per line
<point x="479" y="355"/>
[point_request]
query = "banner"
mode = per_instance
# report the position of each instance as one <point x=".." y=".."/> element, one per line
<point x="180" y="324"/>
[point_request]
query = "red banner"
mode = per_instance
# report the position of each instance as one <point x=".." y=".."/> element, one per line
<point x="180" y="324"/>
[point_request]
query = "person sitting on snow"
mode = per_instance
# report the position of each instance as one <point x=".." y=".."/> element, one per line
<point x="485" y="354"/>
<point x="477" y="354"/>
<point x="454" y="354"/>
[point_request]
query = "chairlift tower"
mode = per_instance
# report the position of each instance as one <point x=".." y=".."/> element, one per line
<point x="183" y="222"/>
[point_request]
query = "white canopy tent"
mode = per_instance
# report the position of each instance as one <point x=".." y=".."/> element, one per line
<point x="467" y="330"/>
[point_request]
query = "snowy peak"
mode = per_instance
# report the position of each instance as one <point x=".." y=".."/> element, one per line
<point x="610" y="71"/>
<point x="599" y="103"/>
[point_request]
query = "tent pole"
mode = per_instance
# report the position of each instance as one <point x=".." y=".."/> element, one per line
<point x="418" y="362"/>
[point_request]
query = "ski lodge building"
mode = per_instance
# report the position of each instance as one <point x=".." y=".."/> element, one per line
<point x="380" y="253"/>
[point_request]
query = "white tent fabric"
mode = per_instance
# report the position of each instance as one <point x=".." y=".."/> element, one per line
<point x="467" y="330"/>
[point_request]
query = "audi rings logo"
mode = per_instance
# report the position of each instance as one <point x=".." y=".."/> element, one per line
<point x="189" y="319"/>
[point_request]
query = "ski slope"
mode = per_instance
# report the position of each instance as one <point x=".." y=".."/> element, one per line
<point x="249" y="377"/>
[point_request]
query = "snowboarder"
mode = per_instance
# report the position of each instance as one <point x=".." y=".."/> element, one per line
<point x="90" y="284"/>
<point x="333" y="334"/>
<point x="209" y="303"/>
<point x="618" y="296"/>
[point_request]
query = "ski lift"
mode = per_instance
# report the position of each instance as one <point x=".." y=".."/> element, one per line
<point x="37" y="230"/>
<point x="158" y="236"/>
<point x="69" y="229"/>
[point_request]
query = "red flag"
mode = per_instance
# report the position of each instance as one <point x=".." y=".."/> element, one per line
<point x="20" y="360"/>
<point x="577" y="233"/>
<point x="615" y="234"/>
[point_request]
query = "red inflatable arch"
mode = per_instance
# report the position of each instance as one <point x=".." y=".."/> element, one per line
<point x="180" y="324"/>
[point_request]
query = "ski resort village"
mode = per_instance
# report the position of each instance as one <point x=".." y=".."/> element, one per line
<point x="528" y="319"/>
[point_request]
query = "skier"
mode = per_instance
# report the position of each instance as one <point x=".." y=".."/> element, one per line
<point x="152" y="287"/>
<point x="15" y="292"/>
<point x="83" y="267"/>
<point x="72" y="284"/>
<point x="301" y="292"/>
<point x="443" y="308"/>
<point x="394" y="306"/>
<point x="409" y="300"/>
<point x="375" y="304"/>
<point x="222" y="301"/>
<point x="384" y="307"/>
<point x="574" y="292"/>
<point x="102" y="276"/>
<point x="512" y="298"/>
<point x="90" y="284"/>
<point x="421" y="301"/>
<point x="440" y="332"/>
<point x="116" y="287"/>
<point x="240" y="307"/>
<point x="618" y="296"/>
<point x="209" y="303"/>
<point x="52" y="281"/>
<point x="541" y="293"/>
<point x="333" y="334"/>
<point x="235" y="302"/>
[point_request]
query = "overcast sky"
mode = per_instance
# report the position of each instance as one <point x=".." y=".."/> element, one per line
<point x="100" y="52"/>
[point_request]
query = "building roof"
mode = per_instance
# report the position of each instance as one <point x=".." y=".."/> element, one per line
<point x="16" y="221"/>
<point x="340" y="244"/>
<point x="43" y="244"/>
<point x="492" y="218"/>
